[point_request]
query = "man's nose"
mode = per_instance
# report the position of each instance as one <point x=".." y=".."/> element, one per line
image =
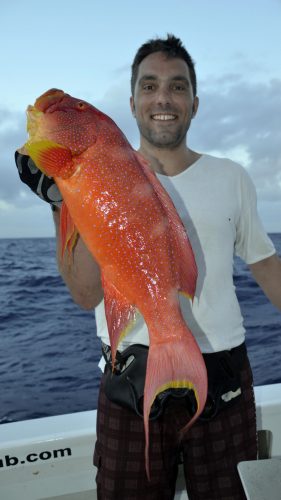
<point x="163" y="96"/>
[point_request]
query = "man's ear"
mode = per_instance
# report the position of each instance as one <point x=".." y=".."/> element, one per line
<point x="195" y="106"/>
<point x="132" y="105"/>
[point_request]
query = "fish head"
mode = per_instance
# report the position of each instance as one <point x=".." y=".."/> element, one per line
<point x="63" y="119"/>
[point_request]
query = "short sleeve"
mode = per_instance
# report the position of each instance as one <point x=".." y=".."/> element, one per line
<point x="252" y="242"/>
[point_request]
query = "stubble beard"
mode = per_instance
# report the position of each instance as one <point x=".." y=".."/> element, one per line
<point x="164" y="140"/>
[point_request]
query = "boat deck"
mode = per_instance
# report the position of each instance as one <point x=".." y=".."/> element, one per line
<point x="51" y="458"/>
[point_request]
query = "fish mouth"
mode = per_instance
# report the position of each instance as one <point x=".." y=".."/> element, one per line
<point x="164" y="117"/>
<point x="33" y="118"/>
<point x="45" y="102"/>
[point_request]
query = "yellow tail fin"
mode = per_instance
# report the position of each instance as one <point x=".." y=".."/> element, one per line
<point x="174" y="363"/>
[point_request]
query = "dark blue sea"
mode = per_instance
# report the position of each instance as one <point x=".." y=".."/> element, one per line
<point x="48" y="346"/>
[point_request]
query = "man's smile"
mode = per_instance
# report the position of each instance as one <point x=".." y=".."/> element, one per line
<point x="164" y="117"/>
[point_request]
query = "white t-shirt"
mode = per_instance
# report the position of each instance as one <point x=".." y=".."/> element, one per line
<point x="216" y="201"/>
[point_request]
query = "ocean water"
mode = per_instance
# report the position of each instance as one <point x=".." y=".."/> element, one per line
<point x="49" y="350"/>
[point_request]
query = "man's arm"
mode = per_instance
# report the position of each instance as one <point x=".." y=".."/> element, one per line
<point x="80" y="273"/>
<point x="267" y="274"/>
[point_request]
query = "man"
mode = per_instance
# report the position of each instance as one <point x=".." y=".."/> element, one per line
<point x="216" y="201"/>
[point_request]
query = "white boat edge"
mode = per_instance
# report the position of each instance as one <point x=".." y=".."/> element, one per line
<point x="52" y="458"/>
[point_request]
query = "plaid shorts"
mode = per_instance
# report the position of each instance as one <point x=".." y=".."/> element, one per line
<point x="210" y="451"/>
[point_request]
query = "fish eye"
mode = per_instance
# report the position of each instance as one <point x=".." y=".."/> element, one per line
<point x="81" y="105"/>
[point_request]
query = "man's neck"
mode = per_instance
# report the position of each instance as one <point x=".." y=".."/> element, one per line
<point x="169" y="162"/>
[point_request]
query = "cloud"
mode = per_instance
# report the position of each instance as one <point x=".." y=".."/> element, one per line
<point x="12" y="135"/>
<point x="236" y="119"/>
<point x="116" y="104"/>
<point x="122" y="70"/>
<point x="243" y="118"/>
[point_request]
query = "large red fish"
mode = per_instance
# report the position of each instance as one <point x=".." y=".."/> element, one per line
<point x="132" y="229"/>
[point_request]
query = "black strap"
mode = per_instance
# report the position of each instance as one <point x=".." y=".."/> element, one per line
<point x="224" y="384"/>
<point x="125" y="384"/>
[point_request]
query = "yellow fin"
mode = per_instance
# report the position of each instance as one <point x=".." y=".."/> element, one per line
<point x="51" y="158"/>
<point x="175" y="363"/>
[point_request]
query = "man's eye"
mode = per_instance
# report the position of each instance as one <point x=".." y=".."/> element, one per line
<point x="179" y="88"/>
<point x="148" y="86"/>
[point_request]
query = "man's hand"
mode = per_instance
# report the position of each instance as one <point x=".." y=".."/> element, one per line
<point x="38" y="182"/>
<point x="267" y="274"/>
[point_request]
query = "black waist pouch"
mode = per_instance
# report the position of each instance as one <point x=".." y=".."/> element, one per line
<point x="224" y="380"/>
<point x="125" y="385"/>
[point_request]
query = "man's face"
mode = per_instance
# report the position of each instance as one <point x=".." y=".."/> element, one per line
<point x="163" y="101"/>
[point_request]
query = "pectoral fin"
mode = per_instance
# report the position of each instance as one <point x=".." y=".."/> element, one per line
<point x="51" y="158"/>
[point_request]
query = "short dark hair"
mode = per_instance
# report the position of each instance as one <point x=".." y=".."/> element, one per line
<point x="172" y="47"/>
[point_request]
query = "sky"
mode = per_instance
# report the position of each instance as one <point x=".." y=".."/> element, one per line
<point x="86" y="48"/>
